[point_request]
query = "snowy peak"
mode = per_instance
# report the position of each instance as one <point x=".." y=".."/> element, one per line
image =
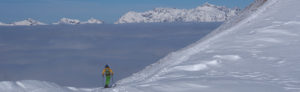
<point x="205" y="13"/>
<point x="27" y="22"/>
<point x="93" y="21"/>
<point x="68" y="21"/>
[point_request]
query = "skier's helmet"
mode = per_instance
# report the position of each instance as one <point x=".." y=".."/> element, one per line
<point x="106" y="66"/>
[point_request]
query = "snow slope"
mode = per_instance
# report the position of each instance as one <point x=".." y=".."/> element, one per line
<point x="256" y="52"/>
<point x="204" y="13"/>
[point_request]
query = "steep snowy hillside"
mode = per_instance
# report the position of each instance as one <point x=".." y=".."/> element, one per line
<point x="204" y="13"/>
<point x="93" y="21"/>
<point x="258" y="51"/>
<point x="27" y="22"/>
<point x="68" y="21"/>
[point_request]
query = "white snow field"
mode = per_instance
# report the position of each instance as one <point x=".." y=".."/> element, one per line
<point x="255" y="52"/>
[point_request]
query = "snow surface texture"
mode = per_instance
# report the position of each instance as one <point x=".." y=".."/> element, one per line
<point x="204" y="13"/>
<point x="257" y="51"/>
<point x="76" y="21"/>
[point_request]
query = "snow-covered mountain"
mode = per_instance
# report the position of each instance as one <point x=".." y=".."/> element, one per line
<point x="32" y="22"/>
<point x="76" y="21"/>
<point x="27" y="22"/>
<point x="68" y="21"/>
<point x="255" y="51"/>
<point x="204" y="13"/>
<point x="93" y="21"/>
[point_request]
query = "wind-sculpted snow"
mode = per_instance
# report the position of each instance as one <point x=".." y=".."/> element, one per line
<point x="204" y="13"/>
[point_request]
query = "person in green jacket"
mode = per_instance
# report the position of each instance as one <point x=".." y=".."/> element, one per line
<point x="108" y="74"/>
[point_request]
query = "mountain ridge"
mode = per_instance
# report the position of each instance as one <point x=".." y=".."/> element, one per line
<point x="205" y="13"/>
<point x="62" y="21"/>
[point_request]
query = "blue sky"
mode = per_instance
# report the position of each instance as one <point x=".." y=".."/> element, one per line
<point x="108" y="10"/>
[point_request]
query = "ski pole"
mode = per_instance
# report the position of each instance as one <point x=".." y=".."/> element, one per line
<point x="112" y="79"/>
<point x="103" y="80"/>
<point x="113" y="82"/>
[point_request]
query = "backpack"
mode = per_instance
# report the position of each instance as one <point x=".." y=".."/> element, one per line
<point x="107" y="72"/>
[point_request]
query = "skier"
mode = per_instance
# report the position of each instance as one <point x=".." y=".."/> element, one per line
<point x="107" y="73"/>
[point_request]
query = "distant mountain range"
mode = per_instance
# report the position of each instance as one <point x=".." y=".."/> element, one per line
<point x="32" y="22"/>
<point x="204" y="13"/>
